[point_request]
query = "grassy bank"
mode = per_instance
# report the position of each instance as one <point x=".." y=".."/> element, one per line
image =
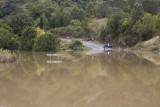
<point x="150" y="45"/>
<point x="7" y="56"/>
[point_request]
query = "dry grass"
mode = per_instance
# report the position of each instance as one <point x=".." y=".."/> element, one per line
<point x="152" y="44"/>
<point x="153" y="41"/>
<point x="7" y="56"/>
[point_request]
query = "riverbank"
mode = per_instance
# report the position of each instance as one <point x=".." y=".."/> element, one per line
<point x="7" y="56"/>
<point x="150" y="45"/>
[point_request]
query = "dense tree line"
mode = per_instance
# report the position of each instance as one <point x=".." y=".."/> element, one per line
<point x="131" y="26"/>
<point x="129" y="21"/>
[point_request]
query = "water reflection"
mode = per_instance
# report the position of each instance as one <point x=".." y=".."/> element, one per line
<point x="116" y="80"/>
<point x="108" y="52"/>
<point x="50" y="61"/>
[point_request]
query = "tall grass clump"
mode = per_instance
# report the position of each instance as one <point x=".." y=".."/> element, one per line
<point x="7" y="56"/>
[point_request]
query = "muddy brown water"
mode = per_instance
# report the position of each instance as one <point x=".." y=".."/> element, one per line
<point x="116" y="79"/>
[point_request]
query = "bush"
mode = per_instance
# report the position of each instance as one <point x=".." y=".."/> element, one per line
<point x="101" y="10"/>
<point x="3" y="25"/>
<point x="128" y="40"/>
<point x="144" y="27"/>
<point x="47" y="42"/>
<point x="75" y="23"/>
<point x="114" y="24"/>
<point x="7" y="40"/>
<point x="76" y="44"/>
<point x="28" y="39"/>
<point x="150" y="6"/>
<point x="7" y="7"/>
<point x="19" y="22"/>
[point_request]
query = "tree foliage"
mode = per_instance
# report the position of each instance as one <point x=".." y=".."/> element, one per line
<point x="7" y="7"/>
<point x="47" y="42"/>
<point x="19" y="22"/>
<point x="145" y="27"/>
<point x="28" y="39"/>
<point x="7" y="40"/>
<point x="43" y="21"/>
<point x="77" y="13"/>
<point x="76" y="44"/>
<point x="150" y="6"/>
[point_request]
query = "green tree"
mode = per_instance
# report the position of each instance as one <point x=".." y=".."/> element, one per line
<point x="117" y="3"/>
<point x="157" y="24"/>
<point x="56" y="19"/>
<point x="47" y="42"/>
<point x="76" y="45"/>
<point x="41" y="24"/>
<point x="101" y="10"/>
<point x="91" y="8"/>
<point x="3" y="25"/>
<point x="75" y="23"/>
<point x="28" y="39"/>
<point x="92" y="29"/>
<point x="84" y="25"/>
<point x="36" y="10"/>
<point x="145" y="27"/>
<point x="47" y="13"/>
<point x="114" y="24"/>
<point x="66" y="18"/>
<point x="7" y="7"/>
<point x="137" y="11"/>
<point x="7" y="40"/>
<point x="150" y="6"/>
<point x="77" y="13"/>
<point x="43" y="21"/>
<point x="19" y="22"/>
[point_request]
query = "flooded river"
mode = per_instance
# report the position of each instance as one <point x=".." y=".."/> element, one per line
<point x="110" y="79"/>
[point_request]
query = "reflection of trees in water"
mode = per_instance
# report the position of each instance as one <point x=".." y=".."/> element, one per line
<point x="122" y="76"/>
<point x="134" y="69"/>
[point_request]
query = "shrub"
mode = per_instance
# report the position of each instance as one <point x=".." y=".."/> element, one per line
<point x="114" y="24"/>
<point x="28" y="39"/>
<point x="75" y="23"/>
<point x="150" y="6"/>
<point x="5" y="26"/>
<point x="19" y="22"/>
<point x="128" y="40"/>
<point x="47" y="42"/>
<point x="7" y="40"/>
<point x="144" y="27"/>
<point x="76" y="44"/>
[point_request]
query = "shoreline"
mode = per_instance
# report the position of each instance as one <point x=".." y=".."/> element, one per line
<point x="7" y="57"/>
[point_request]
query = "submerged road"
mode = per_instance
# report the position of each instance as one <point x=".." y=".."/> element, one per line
<point x="95" y="47"/>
